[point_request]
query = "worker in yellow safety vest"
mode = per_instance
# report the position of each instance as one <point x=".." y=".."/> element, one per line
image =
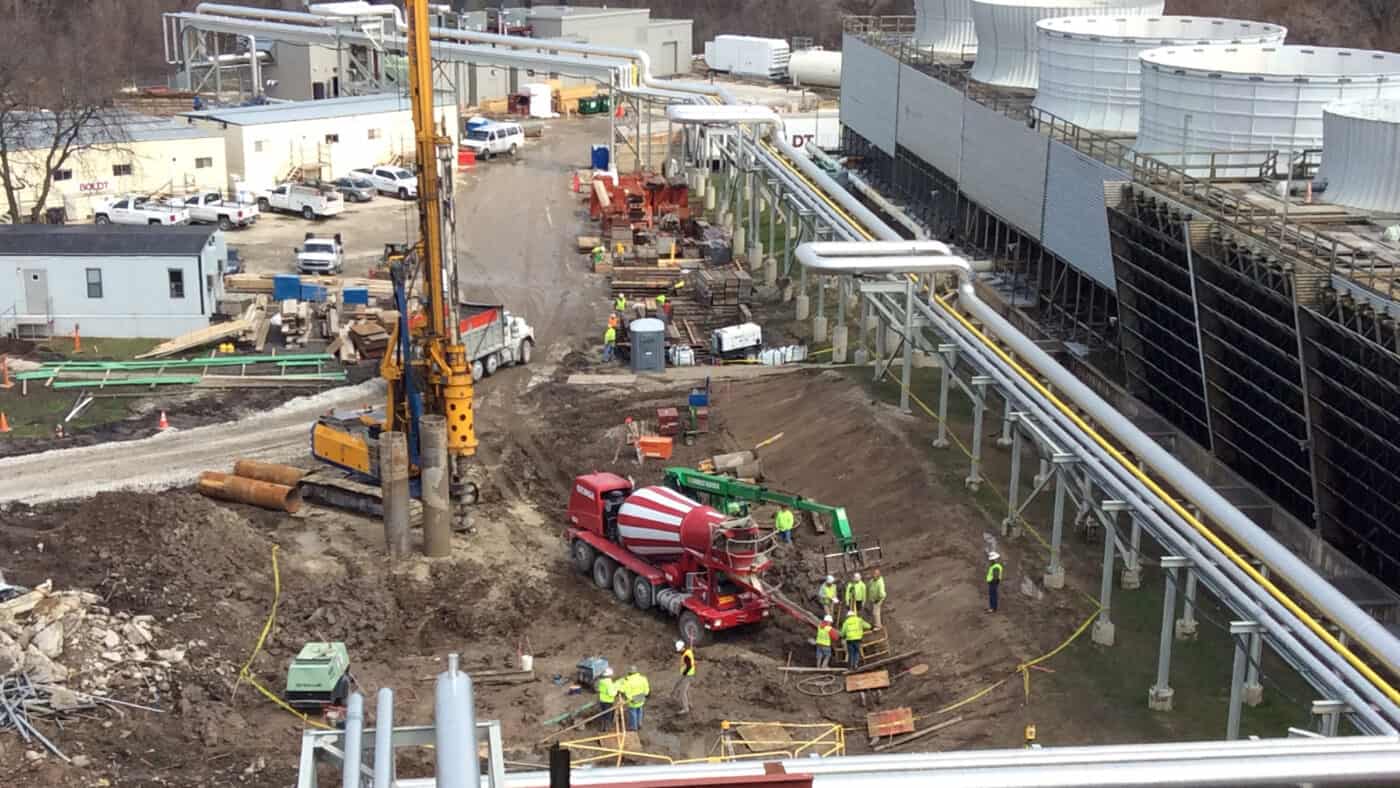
<point x="609" y="343"/>
<point x="598" y="252"/>
<point x="682" y="687"/>
<point x="635" y="689"/>
<point x="855" y="593"/>
<point x="825" y="632"/>
<point x="994" y="573"/>
<point x="876" y="594"/>
<point x="620" y="304"/>
<point x="782" y="524"/>
<point x="826" y="595"/>
<point x="852" y="631"/>
<point x="607" y="696"/>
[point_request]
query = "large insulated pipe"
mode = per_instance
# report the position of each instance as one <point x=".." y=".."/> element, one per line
<point x="454" y="720"/>
<point x="832" y="189"/>
<point x="268" y="472"/>
<point x="354" y="741"/>
<point x="393" y="480"/>
<point x="901" y="257"/>
<point x="250" y="12"/>
<point x="384" y="739"/>
<point x="227" y="487"/>
<point x="435" y="479"/>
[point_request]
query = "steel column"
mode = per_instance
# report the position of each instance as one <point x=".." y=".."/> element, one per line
<point x="1103" y="627"/>
<point x="908" y="376"/>
<point x="948" y="355"/>
<point x="1055" y="573"/>
<point x="1186" y="626"/>
<point x="1011" y="525"/>
<point x="1159" y="696"/>
<point x="979" y="412"/>
<point x="1238" y="629"/>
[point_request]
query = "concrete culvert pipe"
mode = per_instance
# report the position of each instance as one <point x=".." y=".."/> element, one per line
<point x="268" y="472"/>
<point x="227" y="487"/>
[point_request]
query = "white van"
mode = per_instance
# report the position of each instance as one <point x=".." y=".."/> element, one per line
<point x="491" y="139"/>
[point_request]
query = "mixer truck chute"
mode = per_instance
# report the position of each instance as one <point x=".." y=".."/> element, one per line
<point x="657" y="549"/>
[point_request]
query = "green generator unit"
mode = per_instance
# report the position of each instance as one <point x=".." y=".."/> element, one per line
<point x="319" y="676"/>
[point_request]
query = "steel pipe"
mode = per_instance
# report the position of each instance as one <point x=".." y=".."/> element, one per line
<point x="268" y="472"/>
<point x="354" y="741"/>
<point x="227" y="487"/>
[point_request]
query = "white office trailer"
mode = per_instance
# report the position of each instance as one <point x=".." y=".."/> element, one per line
<point x="121" y="153"/>
<point x="110" y="280"/>
<point x="269" y="144"/>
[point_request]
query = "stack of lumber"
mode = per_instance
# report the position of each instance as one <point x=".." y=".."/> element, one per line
<point x="370" y="338"/>
<point x="298" y="321"/>
<point x="646" y="280"/>
<point x="251" y="328"/>
<point x="262" y="283"/>
<point x="727" y="286"/>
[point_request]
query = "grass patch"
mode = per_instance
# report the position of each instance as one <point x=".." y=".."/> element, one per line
<point x="99" y="348"/>
<point x="34" y="416"/>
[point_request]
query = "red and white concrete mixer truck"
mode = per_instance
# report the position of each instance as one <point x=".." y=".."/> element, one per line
<point x="660" y="550"/>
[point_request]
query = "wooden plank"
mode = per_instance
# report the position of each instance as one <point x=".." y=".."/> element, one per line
<point x="917" y="734"/>
<point x="879" y="724"/>
<point x="889" y="660"/>
<point x="860" y="682"/>
<point x="765" y="737"/>
<point x="198" y="337"/>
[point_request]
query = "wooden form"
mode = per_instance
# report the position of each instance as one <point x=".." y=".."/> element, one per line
<point x="879" y="724"/>
<point x="874" y="680"/>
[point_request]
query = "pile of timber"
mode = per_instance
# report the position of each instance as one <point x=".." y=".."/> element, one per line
<point x="249" y="329"/>
<point x="723" y="286"/>
<point x="369" y="337"/>
<point x="262" y="283"/>
<point x="647" y="281"/>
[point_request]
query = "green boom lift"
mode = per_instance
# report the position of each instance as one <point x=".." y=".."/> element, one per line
<point x="733" y="497"/>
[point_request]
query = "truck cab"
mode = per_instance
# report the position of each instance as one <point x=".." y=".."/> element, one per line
<point x="595" y="501"/>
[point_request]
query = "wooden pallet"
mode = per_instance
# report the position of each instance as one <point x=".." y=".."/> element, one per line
<point x="879" y="724"/>
<point x="765" y="737"/>
<point x="874" y="680"/>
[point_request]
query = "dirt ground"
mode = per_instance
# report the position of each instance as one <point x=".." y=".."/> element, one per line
<point x="204" y="568"/>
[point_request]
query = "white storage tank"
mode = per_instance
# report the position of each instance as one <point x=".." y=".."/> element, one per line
<point x="815" y="68"/>
<point x="945" y="26"/>
<point x="1007" y="39"/>
<point x="748" y="56"/>
<point x="1361" y="154"/>
<point x="1089" y="69"/>
<point x="1201" y="99"/>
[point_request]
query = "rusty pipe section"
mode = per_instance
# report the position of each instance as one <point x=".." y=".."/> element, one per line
<point x="268" y="472"/>
<point x="227" y="487"/>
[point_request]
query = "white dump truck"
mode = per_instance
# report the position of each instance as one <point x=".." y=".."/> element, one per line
<point x="211" y="208"/>
<point x="494" y="338"/>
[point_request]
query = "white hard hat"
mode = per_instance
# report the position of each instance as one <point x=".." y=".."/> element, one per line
<point x="607" y="672"/>
<point x="856" y="576"/>
<point x="993" y="556"/>
<point x="680" y="645"/>
<point x="827" y="618"/>
<point x="830" y="579"/>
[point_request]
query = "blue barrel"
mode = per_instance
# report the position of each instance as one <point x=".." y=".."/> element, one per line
<point x="355" y="295"/>
<point x="286" y="286"/>
<point x="600" y="157"/>
<point x="313" y="293"/>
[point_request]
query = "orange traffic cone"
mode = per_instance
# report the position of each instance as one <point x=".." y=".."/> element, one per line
<point x="4" y="422"/>
<point x="77" y="340"/>
<point x="576" y="183"/>
<point x="164" y="422"/>
<point x="5" y="373"/>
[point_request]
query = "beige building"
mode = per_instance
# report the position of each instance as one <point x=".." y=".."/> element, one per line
<point x="142" y="156"/>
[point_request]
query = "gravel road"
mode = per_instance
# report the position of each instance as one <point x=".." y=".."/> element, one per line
<point x="176" y="457"/>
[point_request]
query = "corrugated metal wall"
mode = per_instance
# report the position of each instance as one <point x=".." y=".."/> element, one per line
<point x="1004" y="167"/>
<point x="930" y="120"/>
<point x="869" y="92"/>
<point x="1075" y="224"/>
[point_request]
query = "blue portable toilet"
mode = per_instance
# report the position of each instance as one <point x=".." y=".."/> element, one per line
<point x="601" y="157"/>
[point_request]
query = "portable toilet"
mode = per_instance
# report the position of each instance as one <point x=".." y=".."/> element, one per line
<point x="648" y="336"/>
<point x="600" y="157"/>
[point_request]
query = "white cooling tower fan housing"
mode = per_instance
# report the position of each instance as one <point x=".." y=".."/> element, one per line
<point x="1361" y="154"/>
<point x="1007" y="40"/>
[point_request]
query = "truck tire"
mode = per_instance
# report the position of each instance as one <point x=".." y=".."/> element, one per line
<point x="403" y="194"/>
<point x="102" y="218"/>
<point x="493" y="363"/>
<point x="522" y="356"/>
<point x="514" y="149"/>
<point x="582" y="553"/>
<point x="603" y="568"/>
<point x="225" y="223"/>
<point x="307" y="213"/>
<point x="692" y="631"/>
<point x="643" y="594"/>
<point x="622" y="585"/>
<point x="264" y="205"/>
<point x="153" y="222"/>
<point x="478" y="371"/>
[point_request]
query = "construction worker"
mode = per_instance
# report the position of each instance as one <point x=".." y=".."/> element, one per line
<point x="609" y="343"/>
<point x="825" y="632"/>
<point x="598" y="252"/>
<point x="876" y="594"/>
<point x="782" y="524"/>
<point x="613" y="321"/>
<point x="635" y="689"/>
<point x="994" y="573"/>
<point x="620" y="303"/>
<point x="682" y="687"/>
<point x="607" y="696"/>
<point x="852" y="631"/>
<point x="827" y="595"/>
<point x="855" y="593"/>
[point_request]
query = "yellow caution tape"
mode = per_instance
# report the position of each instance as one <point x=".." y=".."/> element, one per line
<point x="246" y="672"/>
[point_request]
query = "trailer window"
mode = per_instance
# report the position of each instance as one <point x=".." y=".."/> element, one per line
<point x="204" y="162"/>
<point x="119" y="170"/>
<point x="94" y="282"/>
<point x="63" y="175"/>
<point x="177" y="282"/>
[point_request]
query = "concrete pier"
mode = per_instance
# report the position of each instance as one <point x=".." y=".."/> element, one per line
<point x="436" y="481"/>
<point x="804" y="306"/>
<point x="393" y="475"/>
<point x="838" y="344"/>
<point x="819" y="329"/>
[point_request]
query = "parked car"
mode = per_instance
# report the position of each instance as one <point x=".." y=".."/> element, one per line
<point x="320" y="255"/>
<point x="355" y="189"/>
<point x="211" y="208"/>
<point x="312" y="202"/>
<point x="137" y="210"/>
<point x="390" y="180"/>
<point x="492" y="139"/>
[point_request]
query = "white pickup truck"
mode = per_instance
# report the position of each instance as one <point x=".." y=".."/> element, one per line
<point x="210" y="208"/>
<point x="320" y="255"/>
<point x="137" y="210"/>
<point x="391" y="180"/>
<point x="312" y="202"/>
